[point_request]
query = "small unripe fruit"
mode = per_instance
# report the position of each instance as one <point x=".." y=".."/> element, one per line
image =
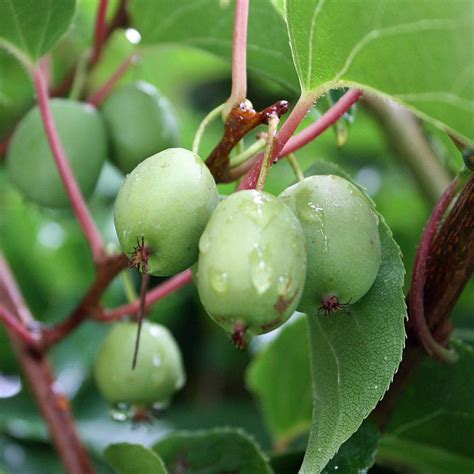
<point x="31" y="164"/>
<point x="159" y="371"/>
<point x="342" y="241"/>
<point x="252" y="264"/>
<point x="140" y="122"/>
<point x="166" y="201"/>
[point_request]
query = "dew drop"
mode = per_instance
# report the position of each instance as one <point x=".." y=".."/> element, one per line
<point x="219" y="280"/>
<point x="260" y="271"/>
<point x="204" y="243"/>
<point x="120" y="412"/>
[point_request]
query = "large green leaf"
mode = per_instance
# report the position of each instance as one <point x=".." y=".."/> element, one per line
<point x="213" y="452"/>
<point x="33" y="26"/>
<point x="206" y="25"/>
<point x="418" y="52"/>
<point x="134" y="459"/>
<point x="435" y="415"/>
<point x="354" y="357"/>
<point x="283" y="364"/>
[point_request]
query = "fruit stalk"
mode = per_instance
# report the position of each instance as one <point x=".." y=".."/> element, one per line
<point x="100" y="31"/>
<point x="100" y="94"/>
<point x="17" y="328"/>
<point x="288" y="144"/>
<point x="74" y="193"/>
<point x="156" y="294"/>
<point x="288" y="128"/>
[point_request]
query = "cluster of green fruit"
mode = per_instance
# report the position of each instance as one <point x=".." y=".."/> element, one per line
<point x="256" y="257"/>
<point x="133" y="123"/>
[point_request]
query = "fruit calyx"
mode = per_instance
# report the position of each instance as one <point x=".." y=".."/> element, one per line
<point x="140" y="256"/>
<point x="238" y="336"/>
<point x="331" y="304"/>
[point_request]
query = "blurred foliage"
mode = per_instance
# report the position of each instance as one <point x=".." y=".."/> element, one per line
<point x="51" y="262"/>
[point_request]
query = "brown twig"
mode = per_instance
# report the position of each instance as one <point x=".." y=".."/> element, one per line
<point x="53" y="405"/>
<point x="450" y="267"/>
<point x="107" y="270"/>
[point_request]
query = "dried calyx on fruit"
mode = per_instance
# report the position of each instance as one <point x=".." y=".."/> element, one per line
<point x="342" y="240"/>
<point x="252" y="264"/>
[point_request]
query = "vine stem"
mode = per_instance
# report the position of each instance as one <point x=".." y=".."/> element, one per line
<point x="159" y="292"/>
<point x="323" y="123"/>
<point x="298" y="141"/>
<point x="239" y="56"/>
<point x="100" y="31"/>
<point x="291" y="158"/>
<point x="416" y="298"/>
<point x="100" y="94"/>
<point x="53" y="405"/>
<point x="19" y="329"/>
<point x="77" y="200"/>
<point x="299" y="112"/>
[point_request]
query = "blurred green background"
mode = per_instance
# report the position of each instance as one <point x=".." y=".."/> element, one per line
<point x="50" y="258"/>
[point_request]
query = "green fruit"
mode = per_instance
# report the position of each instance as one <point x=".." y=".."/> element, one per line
<point x="31" y="164"/>
<point x="166" y="201"/>
<point x="342" y="241"/>
<point x="140" y="123"/>
<point x="159" y="371"/>
<point x="252" y="264"/>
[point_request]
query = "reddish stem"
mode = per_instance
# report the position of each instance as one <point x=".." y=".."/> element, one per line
<point x="107" y="270"/>
<point x="323" y="123"/>
<point x="158" y="293"/>
<point x="239" y="54"/>
<point x="416" y="299"/>
<point x="77" y="200"/>
<point x="53" y="405"/>
<point x="100" y="31"/>
<point x="100" y="94"/>
<point x="294" y="119"/>
<point x="22" y="332"/>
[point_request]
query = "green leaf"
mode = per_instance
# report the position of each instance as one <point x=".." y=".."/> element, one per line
<point x="206" y="25"/>
<point x="357" y="454"/>
<point x="33" y="26"/>
<point x="436" y="412"/>
<point x="133" y="459"/>
<point x="212" y="451"/>
<point x="354" y="357"/>
<point x="281" y="365"/>
<point x="419" y="53"/>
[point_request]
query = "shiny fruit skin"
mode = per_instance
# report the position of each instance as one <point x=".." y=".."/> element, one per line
<point x="31" y="164"/>
<point x="342" y="239"/>
<point x="167" y="199"/>
<point x="252" y="263"/>
<point x="140" y="122"/>
<point x="159" y="371"/>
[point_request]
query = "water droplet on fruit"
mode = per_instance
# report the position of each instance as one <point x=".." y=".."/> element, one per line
<point x="283" y="285"/>
<point x="219" y="280"/>
<point x="260" y="271"/>
<point x="120" y="412"/>
<point x="204" y="243"/>
<point x="156" y="361"/>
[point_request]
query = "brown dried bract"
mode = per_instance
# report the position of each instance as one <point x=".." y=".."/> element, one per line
<point x="240" y="121"/>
